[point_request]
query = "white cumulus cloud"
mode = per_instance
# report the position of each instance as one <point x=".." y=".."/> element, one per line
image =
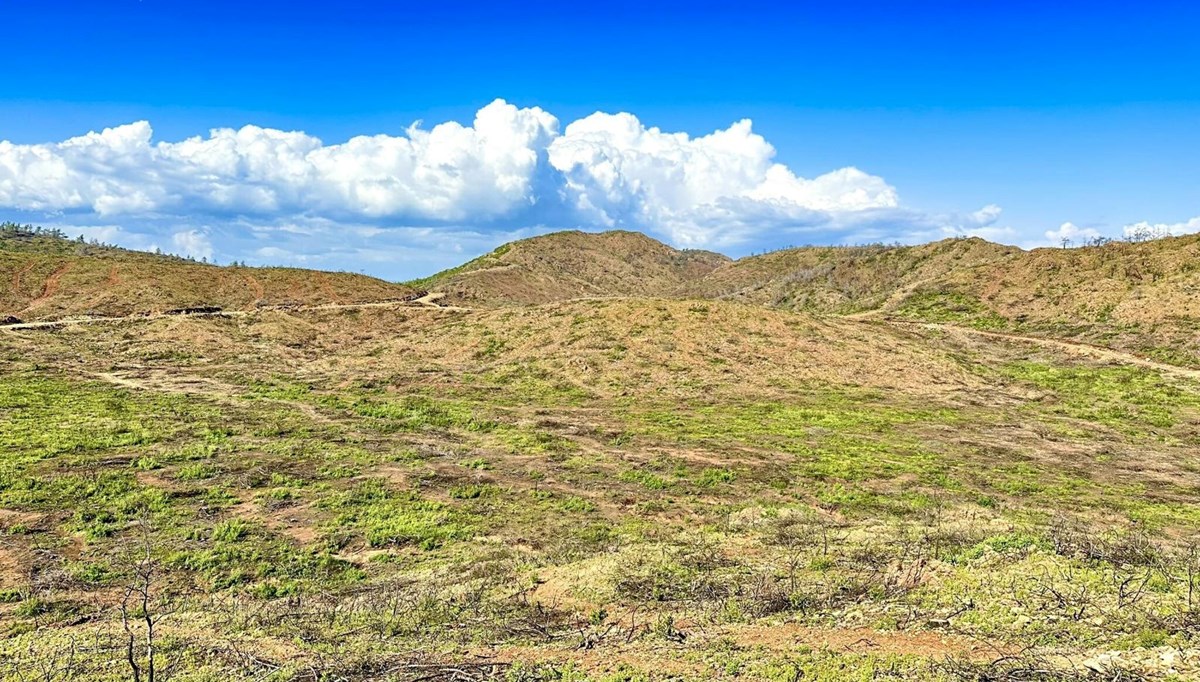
<point x="1072" y="233"/>
<point x="193" y="243"/>
<point x="702" y="190"/>
<point x="511" y="169"/>
<point x="451" y="172"/>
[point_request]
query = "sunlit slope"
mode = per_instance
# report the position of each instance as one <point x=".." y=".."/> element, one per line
<point x="568" y="265"/>
<point x="48" y="278"/>
<point x="1143" y="297"/>
<point x="750" y="484"/>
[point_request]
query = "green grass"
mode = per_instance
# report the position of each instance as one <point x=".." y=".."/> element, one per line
<point x="43" y="418"/>
<point x="646" y="479"/>
<point x="485" y="508"/>
<point x="712" y="477"/>
<point x="230" y="530"/>
<point x="951" y="307"/>
<point x="1133" y="400"/>
<point x="791" y="426"/>
<point x="385" y="517"/>
<point x="413" y="413"/>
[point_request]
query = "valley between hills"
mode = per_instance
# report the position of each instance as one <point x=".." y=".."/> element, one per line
<point x="597" y="457"/>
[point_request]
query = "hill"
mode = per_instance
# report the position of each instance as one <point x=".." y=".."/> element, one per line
<point x="825" y="464"/>
<point x="844" y="279"/>
<point x="1136" y="296"/>
<point x="567" y="265"/>
<point x="593" y="489"/>
<point x="45" y="276"/>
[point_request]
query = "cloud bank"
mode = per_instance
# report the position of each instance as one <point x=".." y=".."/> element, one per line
<point x="512" y="171"/>
<point x="448" y="173"/>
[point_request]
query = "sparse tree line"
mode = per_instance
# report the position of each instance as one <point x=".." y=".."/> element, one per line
<point x="21" y="231"/>
<point x="31" y="230"/>
<point x="1135" y="236"/>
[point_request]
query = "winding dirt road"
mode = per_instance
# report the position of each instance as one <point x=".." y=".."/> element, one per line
<point x="1075" y="347"/>
<point x="427" y="302"/>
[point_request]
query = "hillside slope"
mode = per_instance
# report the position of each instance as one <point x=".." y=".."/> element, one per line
<point x="1138" y="296"/>
<point x="751" y="484"/>
<point x="567" y="265"/>
<point x="717" y="489"/>
<point x="840" y="279"/>
<point x="46" y="277"/>
<point x="1127" y="283"/>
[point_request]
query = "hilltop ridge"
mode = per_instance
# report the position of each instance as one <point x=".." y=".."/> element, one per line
<point x="46" y="276"/>
<point x="566" y="265"/>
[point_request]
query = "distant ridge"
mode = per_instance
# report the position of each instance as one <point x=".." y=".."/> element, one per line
<point x="1141" y="297"/>
<point x="45" y="276"/>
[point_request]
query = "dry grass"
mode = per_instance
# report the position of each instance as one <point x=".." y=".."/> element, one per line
<point x="612" y="488"/>
<point x="568" y="265"/>
<point x="40" y="280"/>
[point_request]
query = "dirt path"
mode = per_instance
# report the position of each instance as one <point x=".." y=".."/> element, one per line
<point x="894" y="299"/>
<point x="51" y="286"/>
<point x="1091" y="350"/>
<point x="1074" y="347"/>
<point x="430" y="298"/>
<point x="419" y="304"/>
<point x="16" y="281"/>
<point x="117" y="379"/>
<point x="169" y="382"/>
<point x="491" y="268"/>
<point x="68" y="322"/>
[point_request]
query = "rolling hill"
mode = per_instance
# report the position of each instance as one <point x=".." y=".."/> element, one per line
<point x="567" y="265"/>
<point x="47" y="277"/>
<point x="612" y="461"/>
<point x="1140" y="297"/>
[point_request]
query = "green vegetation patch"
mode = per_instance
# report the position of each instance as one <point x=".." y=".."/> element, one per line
<point x="77" y="424"/>
<point x="1129" y="399"/>
<point x="951" y="307"/>
<point x="43" y="417"/>
<point x="413" y="413"/>
<point x="239" y="554"/>
<point x="385" y="517"/>
<point x="484" y="261"/>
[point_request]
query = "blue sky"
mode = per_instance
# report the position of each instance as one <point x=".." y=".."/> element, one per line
<point x="1001" y="119"/>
